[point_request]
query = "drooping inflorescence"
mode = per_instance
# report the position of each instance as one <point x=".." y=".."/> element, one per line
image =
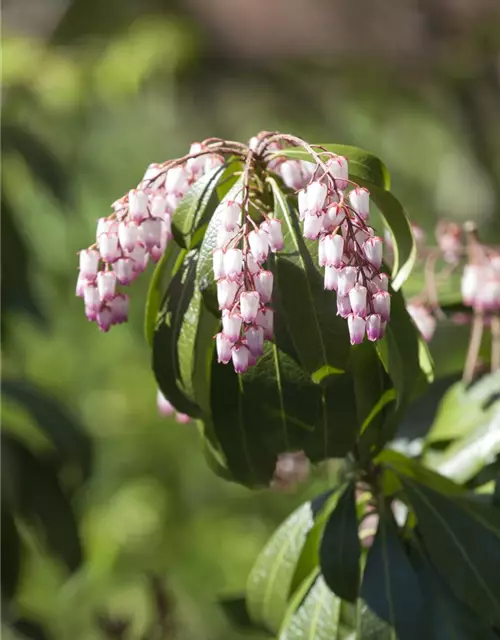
<point x="334" y="212"/>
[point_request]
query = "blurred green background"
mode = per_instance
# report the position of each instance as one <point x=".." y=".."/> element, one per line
<point x="94" y="91"/>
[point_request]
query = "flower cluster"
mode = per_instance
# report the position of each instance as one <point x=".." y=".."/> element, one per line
<point x="138" y="230"/>
<point x="296" y="174"/>
<point x="481" y="284"/>
<point x="349" y="250"/>
<point x="244" y="286"/>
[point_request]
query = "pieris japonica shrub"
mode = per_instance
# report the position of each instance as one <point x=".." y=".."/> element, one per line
<point x="277" y="322"/>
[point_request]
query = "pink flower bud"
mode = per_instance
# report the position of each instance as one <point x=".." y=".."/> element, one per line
<point x="89" y="263"/>
<point x="139" y="256"/>
<point x="334" y="216"/>
<point x="240" y="355"/>
<point x="224" y="236"/>
<point x="137" y="205"/>
<point x="233" y="263"/>
<point x="373" y="251"/>
<point x="259" y="245"/>
<point x="302" y="201"/>
<point x="157" y="252"/>
<point x="124" y="271"/>
<point x="312" y="226"/>
<point x="104" y="319"/>
<point x="81" y="284"/>
<point x="264" y="285"/>
<point x="471" y="282"/>
<point x="92" y="301"/>
<point x="339" y="170"/>
<point x="291" y="174"/>
<point x="251" y="265"/>
<point x="360" y="202"/>
<point x="196" y="165"/>
<point x="343" y="306"/>
<point x="357" y="298"/>
<point x="128" y="234"/>
<point x="176" y="180"/>
<point x="108" y="247"/>
<point x="106" y="285"/>
<point x="182" y="418"/>
<point x="374" y="329"/>
<point x="346" y="280"/>
<point x="379" y="282"/>
<point x="334" y="250"/>
<point x="425" y="322"/>
<point x="226" y="293"/>
<point x="150" y="232"/>
<point x="230" y="215"/>
<point x="331" y="278"/>
<point x="265" y="319"/>
<point x="382" y="304"/>
<point x="315" y="197"/>
<point x="218" y="264"/>
<point x="223" y="346"/>
<point x="172" y="202"/>
<point x="153" y="177"/>
<point x="231" y="325"/>
<point x="158" y="206"/>
<point x="273" y="229"/>
<point x="356" y="326"/>
<point x="119" y="307"/>
<point x="105" y="225"/>
<point x="165" y="408"/>
<point x="255" y="340"/>
<point x="249" y="305"/>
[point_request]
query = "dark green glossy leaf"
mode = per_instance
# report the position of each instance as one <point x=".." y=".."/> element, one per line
<point x="340" y="548"/>
<point x="195" y="209"/>
<point x="53" y="418"/>
<point x="236" y="611"/>
<point x="41" y="160"/>
<point x="269" y="581"/>
<point x="162" y="276"/>
<point x="11" y="554"/>
<point x="317" y="617"/>
<point x="390" y="586"/>
<point x="462" y="545"/>
<point x="320" y="336"/>
<point x="165" y="355"/>
<point x="35" y="495"/>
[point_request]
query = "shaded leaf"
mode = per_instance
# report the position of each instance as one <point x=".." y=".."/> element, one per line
<point x="390" y="586"/>
<point x="460" y="546"/>
<point x="340" y="548"/>
<point x="30" y="629"/>
<point x="236" y="611"/>
<point x="269" y="581"/>
<point x="11" y="554"/>
<point x="53" y="418"/>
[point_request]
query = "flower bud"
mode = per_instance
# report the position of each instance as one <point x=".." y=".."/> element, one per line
<point x="264" y="285"/>
<point x="108" y="247"/>
<point x="226" y="293"/>
<point x="105" y="225"/>
<point x="233" y="263"/>
<point x="231" y="325"/>
<point x="240" y="355"/>
<point x="139" y="256"/>
<point x="137" y="205"/>
<point x="334" y="217"/>
<point x="312" y="226"/>
<point x="230" y="215"/>
<point x="165" y="408"/>
<point x="360" y="202"/>
<point x="128" y="234"/>
<point x="343" y="306"/>
<point x="382" y="304"/>
<point x="374" y="329"/>
<point x="182" y="418"/>
<point x="334" y="250"/>
<point x="159" y="206"/>
<point x="81" y="284"/>
<point x="338" y="168"/>
<point x="255" y="340"/>
<point x="104" y="319"/>
<point x="379" y="282"/>
<point x="346" y="280"/>
<point x="273" y="229"/>
<point x="224" y="236"/>
<point x="425" y="322"/>
<point x="119" y="307"/>
<point x="106" y="285"/>
<point x="331" y="278"/>
<point x="176" y="180"/>
<point x="315" y="197"/>
<point x="291" y="174"/>
<point x="218" y="264"/>
<point x="89" y="263"/>
<point x="249" y="305"/>
<point x="259" y="245"/>
<point x="223" y="346"/>
<point x="265" y="319"/>
<point x="124" y="271"/>
<point x="302" y="202"/>
<point x="356" y="326"/>
<point x="251" y="265"/>
<point x="372" y="249"/>
<point x="471" y="281"/>
<point x="357" y="298"/>
<point x="92" y="301"/>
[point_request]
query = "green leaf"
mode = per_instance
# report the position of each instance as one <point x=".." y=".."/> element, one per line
<point x="317" y="618"/>
<point x="236" y="611"/>
<point x="368" y="171"/>
<point x="269" y="581"/>
<point x="34" y="494"/>
<point x="162" y="276"/>
<point x="464" y="550"/>
<point x="43" y="163"/>
<point x="464" y="408"/>
<point x="361" y="163"/>
<point x="340" y="548"/>
<point x="165" y="355"/>
<point x="196" y="208"/>
<point x="11" y="554"/>
<point x="390" y="586"/>
<point x="319" y="336"/>
<point x="52" y="417"/>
